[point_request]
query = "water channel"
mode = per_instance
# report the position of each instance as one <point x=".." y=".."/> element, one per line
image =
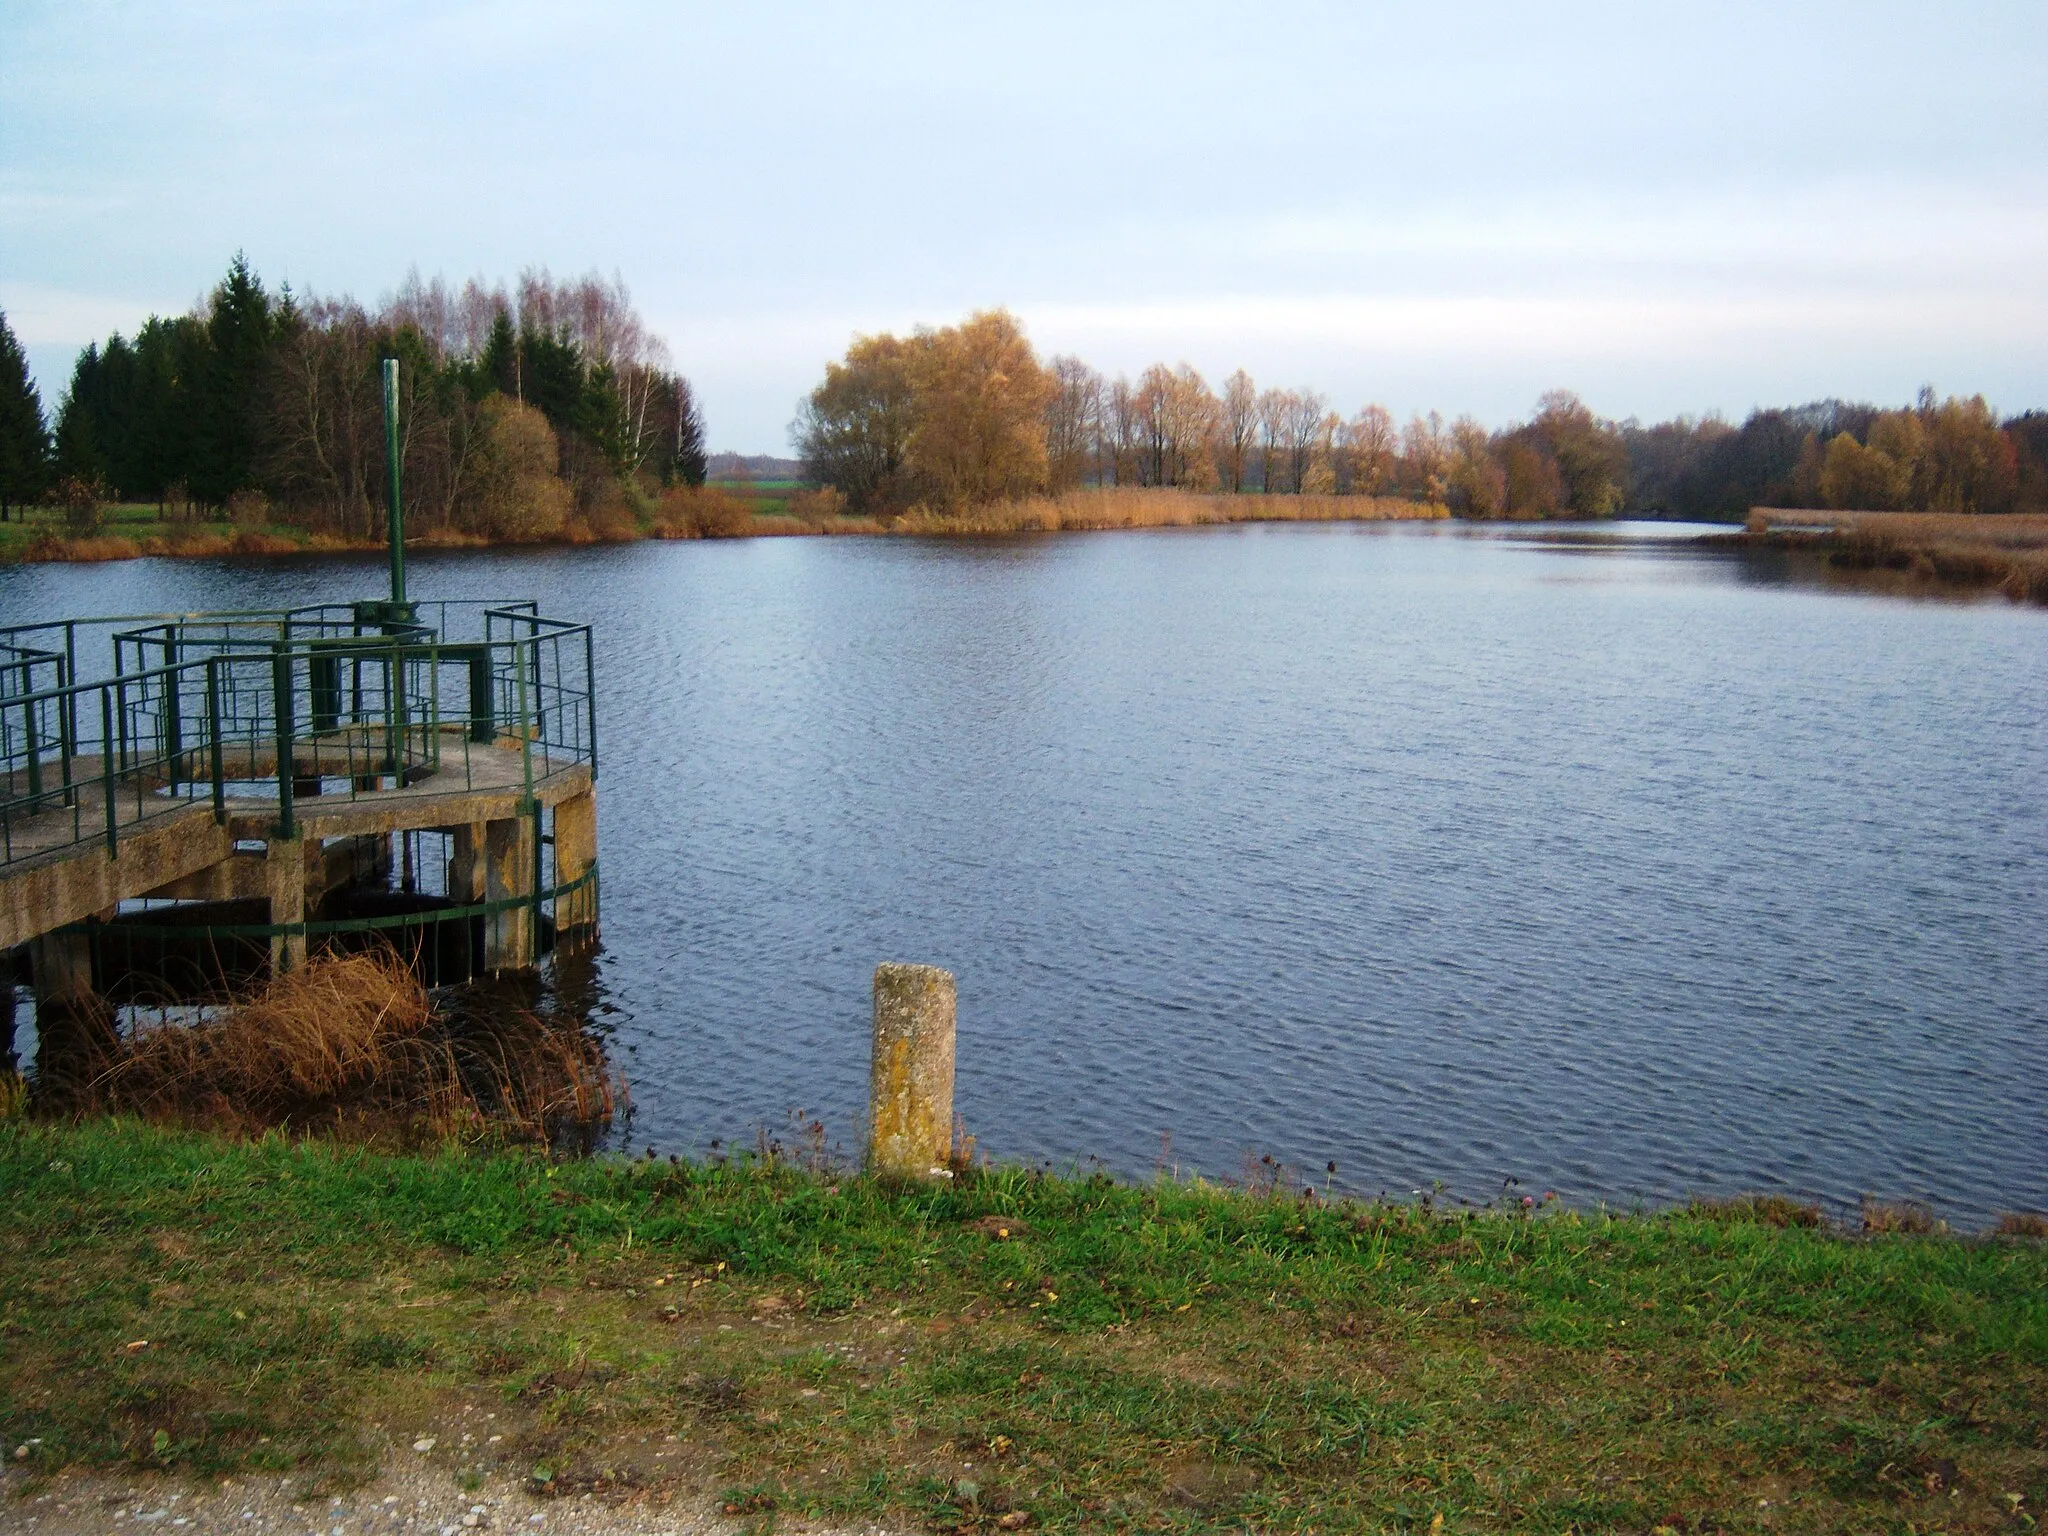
<point x="1618" y="868"/>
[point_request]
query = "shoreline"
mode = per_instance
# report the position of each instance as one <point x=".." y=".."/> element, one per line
<point x="1080" y="511"/>
<point x="1906" y="553"/>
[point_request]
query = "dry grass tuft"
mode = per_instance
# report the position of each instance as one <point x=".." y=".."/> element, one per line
<point x="1903" y="1219"/>
<point x="1764" y="1210"/>
<point x="352" y="1044"/>
<point x="2022" y="1224"/>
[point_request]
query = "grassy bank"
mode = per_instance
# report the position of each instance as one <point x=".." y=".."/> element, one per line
<point x="1976" y="552"/>
<point x="759" y="510"/>
<point x="1066" y="1354"/>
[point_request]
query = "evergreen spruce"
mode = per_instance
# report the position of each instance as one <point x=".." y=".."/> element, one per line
<point x="24" y="434"/>
<point x="83" y="420"/>
<point x="240" y="330"/>
<point x="687" y="440"/>
<point x="499" y="362"/>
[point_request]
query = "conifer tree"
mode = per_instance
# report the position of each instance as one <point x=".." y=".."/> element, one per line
<point x="240" y="328"/>
<point x="24" y="433"/>
<point x="688" y="462"/>
<point x="83" y="420"/>
<point x="499" y="362"/>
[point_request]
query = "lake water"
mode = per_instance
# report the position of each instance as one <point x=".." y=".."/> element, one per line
<point x="1623" y="871"/>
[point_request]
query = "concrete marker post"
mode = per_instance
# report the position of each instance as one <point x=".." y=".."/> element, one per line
<point x="910" y="1086"/>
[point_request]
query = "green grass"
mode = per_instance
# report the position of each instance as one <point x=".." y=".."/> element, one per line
<point x="1158" y="1357"/>
<point x="135" y="521"/>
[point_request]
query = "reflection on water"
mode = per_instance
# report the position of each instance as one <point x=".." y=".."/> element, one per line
<point x="1620" y="869"/>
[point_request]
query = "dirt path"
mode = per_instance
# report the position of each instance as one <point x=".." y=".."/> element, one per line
<point x="408" y="1495"/>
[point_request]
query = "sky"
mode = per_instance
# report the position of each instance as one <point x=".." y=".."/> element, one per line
<point x="1454" y="206"/>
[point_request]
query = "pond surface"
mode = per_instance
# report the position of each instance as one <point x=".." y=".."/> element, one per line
<point x="1622" y="870"/>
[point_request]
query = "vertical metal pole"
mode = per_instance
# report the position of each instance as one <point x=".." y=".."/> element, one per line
<point x="107" y="772"/>
<point x="394" y="761"/>
<point x="67" y="727"/>
<point x="220" y="788"/>
<point x="71" y="670"/>
<point x="174" y="725"/>
<point x="281" y="688"/>
<point x="590" y="699"/>
<point x="34" y="748"/>
<point x="396" y="508"/>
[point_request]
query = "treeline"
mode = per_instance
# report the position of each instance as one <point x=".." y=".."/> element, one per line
<point x="969" y="414"/>
<point x="521" y="409"/>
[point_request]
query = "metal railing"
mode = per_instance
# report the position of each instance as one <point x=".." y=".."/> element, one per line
<point x="280" y="706"/>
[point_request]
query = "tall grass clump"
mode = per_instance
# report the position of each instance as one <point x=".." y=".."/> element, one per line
<point x="352" y="1045"/>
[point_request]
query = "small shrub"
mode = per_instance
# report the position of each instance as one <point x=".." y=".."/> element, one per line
<point x="703" y="512"/>
<point x="83" y="501"/>
<point x="2022" y="1224"/>
<point x="820" y="506"/>
<point x="609" y="515"/>
<point x="248" y="508"/>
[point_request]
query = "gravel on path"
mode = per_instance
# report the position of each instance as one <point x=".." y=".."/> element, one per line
<point x="402" y="1500"/>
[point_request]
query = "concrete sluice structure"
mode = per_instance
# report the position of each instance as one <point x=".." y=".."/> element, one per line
<point x="242" y="790"/>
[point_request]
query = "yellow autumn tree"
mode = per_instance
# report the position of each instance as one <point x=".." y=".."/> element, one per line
<point x="516" y="493"/>
<point x="979" y="398"/>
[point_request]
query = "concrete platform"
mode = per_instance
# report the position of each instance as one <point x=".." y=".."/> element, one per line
<point x="62" y="872"/>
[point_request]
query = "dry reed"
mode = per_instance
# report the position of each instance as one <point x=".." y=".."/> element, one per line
<point x="2022" y="1224"/>
<point x="92" y="548"/>
<point x="1088" y="510"/>
<point x="351" y="1044"/>
<point x="2008" y="551"/>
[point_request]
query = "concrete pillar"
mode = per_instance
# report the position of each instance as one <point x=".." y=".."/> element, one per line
<point x="910" y="1084"/>
<point x="466" y="863"/>
<point x="75" y="1033"/>
<point x="575" y="856"/>
<point x="508" y="873"/>
<point x="62" y="964"/>
<point x="284" y="882"/>
<point x="7" y="1012"/>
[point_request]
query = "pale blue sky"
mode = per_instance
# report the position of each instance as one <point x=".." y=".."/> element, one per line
<point x="1668" y="208"/>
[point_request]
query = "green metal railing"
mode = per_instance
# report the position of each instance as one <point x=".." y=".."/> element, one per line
<point x="335" y="700"/>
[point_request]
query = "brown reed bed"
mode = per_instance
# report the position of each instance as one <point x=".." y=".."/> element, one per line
<point x="352" y="1045"/>
<point x="2006" y="552"/>
<point x="1099" y="509"/>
